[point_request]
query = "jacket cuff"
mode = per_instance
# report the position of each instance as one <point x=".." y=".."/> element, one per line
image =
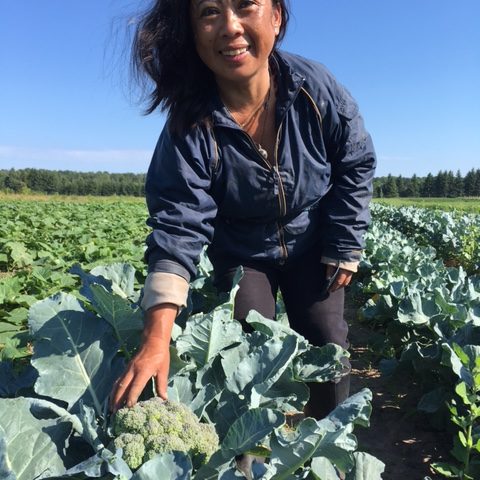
<point x="162" y="264"/>
<point x="350" y="266"/>
<point x="164" y="287"/>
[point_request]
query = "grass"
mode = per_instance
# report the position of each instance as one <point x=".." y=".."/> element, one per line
<point x="464" y="204"/>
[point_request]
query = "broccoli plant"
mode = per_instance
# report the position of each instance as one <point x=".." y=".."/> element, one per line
<point x="156" y="426"/>
<point x="241" y="384"/>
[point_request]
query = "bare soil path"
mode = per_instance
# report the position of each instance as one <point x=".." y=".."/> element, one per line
<point x="399" y="435"/>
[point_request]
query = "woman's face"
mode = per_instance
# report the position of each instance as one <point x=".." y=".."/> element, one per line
<point x="234" y="38"/>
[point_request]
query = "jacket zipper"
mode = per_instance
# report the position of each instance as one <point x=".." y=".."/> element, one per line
<point x="252" y="143"/>
<point x="281" y="199"/>
<point x="281" y="192"/>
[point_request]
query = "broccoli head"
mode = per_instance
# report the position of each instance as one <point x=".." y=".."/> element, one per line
<point x="156" y="426"/>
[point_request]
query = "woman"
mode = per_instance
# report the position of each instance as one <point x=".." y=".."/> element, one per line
<point x="265" y="158"/>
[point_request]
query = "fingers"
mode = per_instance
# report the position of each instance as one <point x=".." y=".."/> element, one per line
<point x="128" y="388"/>
<point x="161" y="379"/>
<point x="161" y="387"/>
<point x="339" y="278"/>
<point x="119" y="392"/>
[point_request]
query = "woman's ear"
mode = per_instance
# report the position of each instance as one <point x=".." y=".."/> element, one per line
<point x="277" y="17"/>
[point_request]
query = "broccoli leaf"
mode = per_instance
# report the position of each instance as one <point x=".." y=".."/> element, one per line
<point x="319" y="364"/>
<point x="74" y="353"/>
<point x="127" y="323"/>
<point x="206" y="335"/>
<point x="367" y="467"/>
<point x="31" y="445"/>
<point x="5" y="471"/>
<point x="100" y="465"/>
<point x="264" y="365"/>
<point x="122" y="276"/>
<point x="174" y="466"/>
<point x="330" y="438"/>
<point x="248" y="430"/>
<point x="322" y="469"/>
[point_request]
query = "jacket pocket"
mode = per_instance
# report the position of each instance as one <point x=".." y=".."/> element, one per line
<point x="299" y="224"/>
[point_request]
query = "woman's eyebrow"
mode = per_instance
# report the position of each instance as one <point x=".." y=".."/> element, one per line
<point x="199" y="2"/>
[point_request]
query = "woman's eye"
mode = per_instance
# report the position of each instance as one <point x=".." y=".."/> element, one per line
<point x="208" y="12"/>
<point x="246" y="3"/>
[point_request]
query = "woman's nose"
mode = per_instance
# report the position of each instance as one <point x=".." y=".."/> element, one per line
<point x="232" y="25"/>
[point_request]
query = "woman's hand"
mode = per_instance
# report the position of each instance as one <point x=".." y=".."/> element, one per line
<point x="152" y="359"/>
<point x="342" y="278"/>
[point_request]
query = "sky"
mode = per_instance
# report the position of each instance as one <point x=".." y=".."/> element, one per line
<point x="412" y="65"/>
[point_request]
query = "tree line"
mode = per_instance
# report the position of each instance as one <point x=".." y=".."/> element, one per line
<point x="443" y="184"/>
<point x="72" y="183"/>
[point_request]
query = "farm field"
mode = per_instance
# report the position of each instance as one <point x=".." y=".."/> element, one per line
<point x="414" y="313"/>
<point x="464" y="204"/>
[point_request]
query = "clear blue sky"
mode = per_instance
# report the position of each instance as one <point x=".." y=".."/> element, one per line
<point x="413" y="66"/>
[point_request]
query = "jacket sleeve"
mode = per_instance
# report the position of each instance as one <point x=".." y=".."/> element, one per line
<point x="181" y="210"/>
<point x="352" y="157"/>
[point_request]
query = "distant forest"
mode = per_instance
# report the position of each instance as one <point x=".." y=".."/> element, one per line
<point x="443" y="184"/>
<point x="50" y="182"/>
<point x="72" y="183"/>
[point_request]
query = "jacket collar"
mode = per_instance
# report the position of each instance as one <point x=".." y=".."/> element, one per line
<point x="289" y="83"/>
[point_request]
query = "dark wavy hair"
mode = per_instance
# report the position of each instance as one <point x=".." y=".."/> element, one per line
<point x="167" y="67"/>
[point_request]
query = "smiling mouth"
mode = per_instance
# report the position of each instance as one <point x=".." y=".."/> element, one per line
<point x="234" y="52"/>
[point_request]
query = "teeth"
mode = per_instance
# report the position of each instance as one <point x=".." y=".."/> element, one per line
<point x="232" y="53"/>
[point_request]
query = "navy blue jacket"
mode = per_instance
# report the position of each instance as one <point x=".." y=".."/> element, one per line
<point x="212" y="186"/>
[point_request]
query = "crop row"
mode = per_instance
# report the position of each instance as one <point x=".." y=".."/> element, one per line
<point x="430" y="314"/>
<point x="454" y="235"/>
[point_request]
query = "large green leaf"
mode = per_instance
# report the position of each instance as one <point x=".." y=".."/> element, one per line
<point x="74" y="353"/>
<point x="319" y="364"/>
<point x="322" y="469"/>
<point x="291" y="451"/>
<point x="6" y="472"/>
<point x="165" y="466"/>
<point x="19" y="254"/>
<point x="356" y="409"/>
<point x="330" y="438"/>
<point x="263" y="366"/>
<point x="10" y="288"/>
<point x="127" y="322"/>
<point x="286" y="394"/>
<point x="244" y="434"/>
<point x="248" y="430"/>
<point x="33" y="445"/>
<point x="206" y="335"/>
<point x="367" y="467"/>
<point x="417" y="310"/>
<point x="452" y="360"/>
<point x="273" y="328"/>
<point x="104" y="464"/>
<point x="122" y="276"/>
<point x="231" y="406"/>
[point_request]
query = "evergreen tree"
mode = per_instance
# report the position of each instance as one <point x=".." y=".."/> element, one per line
<point x="441" y="184"/>
<point x="428" y="188"/>
<point x="456" y="189"/>
<point x="390" y="188"/>
<point x="412" y="188"/>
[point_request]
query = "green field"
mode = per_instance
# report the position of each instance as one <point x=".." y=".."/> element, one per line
<point x="39" y="197"/>
<point x="467" y="204"/>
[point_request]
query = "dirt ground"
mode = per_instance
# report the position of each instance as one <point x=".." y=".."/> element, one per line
<point x="399" y="435"/>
